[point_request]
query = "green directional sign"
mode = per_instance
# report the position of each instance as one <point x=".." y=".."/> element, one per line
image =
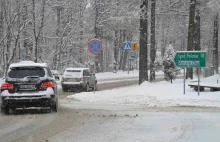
<point x="188" y="59"/>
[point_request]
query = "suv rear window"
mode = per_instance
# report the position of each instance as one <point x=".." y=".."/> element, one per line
<point x="27" y="71"/>
<point x="73" y="72"/>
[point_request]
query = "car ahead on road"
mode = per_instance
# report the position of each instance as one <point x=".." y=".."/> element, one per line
<point x="28" y="84"/>
<point x="55" y="74"/>
<point x="78" y="78"/>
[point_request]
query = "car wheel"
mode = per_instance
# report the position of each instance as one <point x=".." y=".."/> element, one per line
<point x="54" y="107"/>
<point x="5" y="110"/>
<point x="64" y="89"/>
<point x="87" y="87"/>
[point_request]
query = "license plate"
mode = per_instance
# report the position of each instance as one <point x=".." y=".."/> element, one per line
<point x="71" y="79"/>
<point x="27" y="86"/>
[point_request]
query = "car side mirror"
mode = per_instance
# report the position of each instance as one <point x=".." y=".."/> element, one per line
<point x="93" y="74"/>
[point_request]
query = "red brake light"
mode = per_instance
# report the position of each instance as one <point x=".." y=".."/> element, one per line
<point x="6" y="86"/>
<point x="81" y="79"/>
<point x="47" y="84"/>
<point x="62" y="79"/>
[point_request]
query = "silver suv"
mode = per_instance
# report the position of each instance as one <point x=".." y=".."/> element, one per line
<point x="78" y="78"/>
<point x="28" y="84"/>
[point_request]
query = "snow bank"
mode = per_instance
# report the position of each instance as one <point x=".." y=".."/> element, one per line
<point x="120" y="74"/>
<point x="160" y="94"/>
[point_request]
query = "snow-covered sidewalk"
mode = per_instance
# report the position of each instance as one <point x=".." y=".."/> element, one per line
<point x="160" y="94"/>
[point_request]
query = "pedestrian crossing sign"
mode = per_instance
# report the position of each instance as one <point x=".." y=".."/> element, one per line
<point x="127" y="45"/>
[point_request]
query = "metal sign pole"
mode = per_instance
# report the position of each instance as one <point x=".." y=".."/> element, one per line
<point x="128" y="61"/>
<point x="198" y="81"/>
<point x="184" y="84"/>
<point x="94" y="72"/>
<point x="95" y="47"/>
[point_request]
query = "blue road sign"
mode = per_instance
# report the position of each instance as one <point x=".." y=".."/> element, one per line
<point x="95" y="46"/>
<point x="133" y="55"/>
<point x="127" y="45"/>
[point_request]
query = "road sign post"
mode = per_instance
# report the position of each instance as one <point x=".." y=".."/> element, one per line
<point x="198" y="81"/>
<point x="127" y="47"/>
<point x="95" y="47"/>
<point x="184" y="83"/>
<point x="189" y="59"/>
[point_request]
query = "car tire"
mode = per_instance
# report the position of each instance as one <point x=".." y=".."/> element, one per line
<point x="64" y="89"/>
<point x="87" y="87"/>
<point x="96" y="87"/>
<point x="5" y="110"/>
<point x="54" y="108"/>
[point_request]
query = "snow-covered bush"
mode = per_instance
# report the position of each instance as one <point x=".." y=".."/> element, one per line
<point x="178" y="71"/>
<point x="169" y="66"/>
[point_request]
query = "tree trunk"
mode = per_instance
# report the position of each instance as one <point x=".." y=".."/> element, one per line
<point x="36" y="32"/>
<point x="121" y="49"/>
<point x="124" y="61"/>
<point x="24" y="48"/>
<point x="98" y="34"/>
<point x="163" y="42"/>
<point x="190" y="45"/>
<point x="1" y="33"/>
<point x="153" y="49"/>
<point x="7" y="51"/>
<point x="57" y="47"/>
<point x="215" y="44"/>
<point x="81" y="51"/>
<point x="96" y="60"/>
<point x="116" y="50"/>
<point x="18" y="23"/>
<point x="197" y="32"/>
<point x="143" y="61"/>
<point x="197" y="45"/>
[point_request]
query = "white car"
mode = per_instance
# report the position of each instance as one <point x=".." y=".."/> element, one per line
<point x="78" y="78"/>
<point x="28" y="84"/>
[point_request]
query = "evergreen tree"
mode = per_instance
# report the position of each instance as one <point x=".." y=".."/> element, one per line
<point x="169" y="65"/>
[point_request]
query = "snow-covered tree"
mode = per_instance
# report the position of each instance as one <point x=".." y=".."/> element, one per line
<point x="169" y="65"/>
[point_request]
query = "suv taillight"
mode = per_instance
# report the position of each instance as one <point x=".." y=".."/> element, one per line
<point x="82" y="79"/>
<point x="62" y="79"/>
<point x="47" y="84"/>
<point x="6" y="86"/>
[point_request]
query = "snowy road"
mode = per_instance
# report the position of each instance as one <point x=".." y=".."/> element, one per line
<point x="89" y="122"/>
<point x="151" y="126"/>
